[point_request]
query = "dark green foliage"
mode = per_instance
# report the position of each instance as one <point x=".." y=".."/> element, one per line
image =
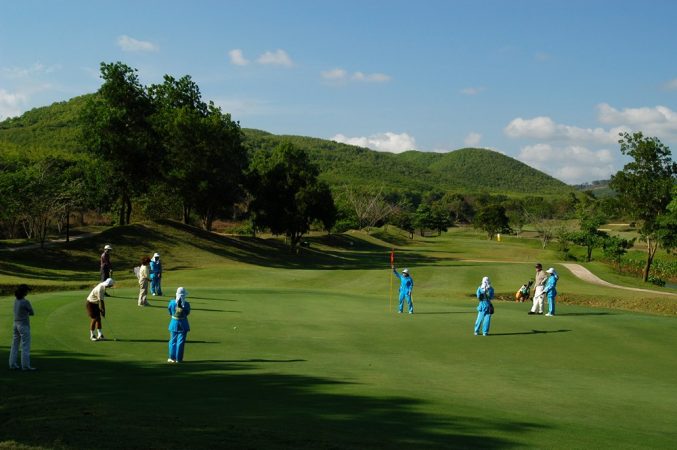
<point x="493" y="220"/>
<point x="464" y="170"/>
<point x="118" y="132"/>
<point x="204" y="161"/>
<point x="615" y="247"/>
<point x="288" y="196"/>
<point x="645" y="187"/>
<point x="48" y="129"/>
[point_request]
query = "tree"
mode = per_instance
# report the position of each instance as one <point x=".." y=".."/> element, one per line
<point x="440" y="220"/>
<point x="117" y="130"/>
<point x="493" y="220"/>
<point x="645" y="186"/>
<point x="288" y="196"/>
<point x="514" y="209"/>
<point x="423" y="218"/>
<point x="369" y="207"/>
<point x="589" y="235"/>
<point x="615" y="247"/>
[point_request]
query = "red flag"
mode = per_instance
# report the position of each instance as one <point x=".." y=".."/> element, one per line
<point x="392" y="257"/>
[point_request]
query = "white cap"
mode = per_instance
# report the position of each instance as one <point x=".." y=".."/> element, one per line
<point x="405" y="271"/>
<point x="107" y="247"/>
<point x="551" y="270"/>
<point x="109" y="282"/>
<point x="156" y="255"/>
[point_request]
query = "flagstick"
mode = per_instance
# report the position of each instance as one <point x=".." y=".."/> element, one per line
<point x="390" y="300"/>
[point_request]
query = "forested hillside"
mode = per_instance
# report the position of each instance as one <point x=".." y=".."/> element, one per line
<point x="56" y="128"/>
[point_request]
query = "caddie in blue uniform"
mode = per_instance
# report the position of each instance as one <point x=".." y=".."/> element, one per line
<point x="406" y="286"/>
<point x="551" y="290"/>
<point x="178" y="308"/>
<point x="155" y="275"/>
<point x="484" y="294"/>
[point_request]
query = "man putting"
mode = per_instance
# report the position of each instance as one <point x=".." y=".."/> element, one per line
<point x="96" y="308"/>
<point x="406" y="286"/>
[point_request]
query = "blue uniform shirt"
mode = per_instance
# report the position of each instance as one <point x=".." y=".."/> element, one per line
<point x="179" y="322"/>
<point x="406" y="283"/>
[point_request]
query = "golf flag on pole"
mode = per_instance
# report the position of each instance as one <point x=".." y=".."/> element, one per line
<point x="392" y="257"/>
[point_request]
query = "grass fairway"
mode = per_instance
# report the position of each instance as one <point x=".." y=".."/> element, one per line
<point x="295" y="356"/>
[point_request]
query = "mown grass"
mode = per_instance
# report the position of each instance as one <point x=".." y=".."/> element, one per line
<point x="307" y="352"/>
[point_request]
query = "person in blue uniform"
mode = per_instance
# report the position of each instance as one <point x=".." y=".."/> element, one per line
<point x="155" y="275"/>
<point x="551" y="290"/>
<point x="406" y="286"/>
<point x="178" y="308"/>
<point x="484" y="309"/>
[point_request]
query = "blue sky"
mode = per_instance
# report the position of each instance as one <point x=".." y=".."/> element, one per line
<point x="550" y="83"/>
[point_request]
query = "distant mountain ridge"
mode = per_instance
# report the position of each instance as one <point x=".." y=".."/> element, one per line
<point x="55" y="129"/>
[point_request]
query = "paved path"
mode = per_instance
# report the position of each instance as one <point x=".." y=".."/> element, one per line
<point x="585" y="275"/>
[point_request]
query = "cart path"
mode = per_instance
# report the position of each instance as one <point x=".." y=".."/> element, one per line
<point x="585" y="275"/>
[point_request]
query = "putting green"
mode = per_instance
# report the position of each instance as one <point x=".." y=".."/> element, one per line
<point x="300" y="358"/>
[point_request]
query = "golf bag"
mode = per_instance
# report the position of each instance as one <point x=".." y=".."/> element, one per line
<point x="523" y="292"/>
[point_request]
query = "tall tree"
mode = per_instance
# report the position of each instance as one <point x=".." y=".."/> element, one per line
<point x="645" y="185"/>
<point x="118" y="131"/>
<point x="288" y="196"/>
<point x="205" y="159"/>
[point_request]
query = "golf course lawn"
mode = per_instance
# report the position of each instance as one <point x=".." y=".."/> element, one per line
<point x="301" y="357"/>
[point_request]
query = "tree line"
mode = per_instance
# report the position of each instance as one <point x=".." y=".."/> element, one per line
<point x="165" y="152"/>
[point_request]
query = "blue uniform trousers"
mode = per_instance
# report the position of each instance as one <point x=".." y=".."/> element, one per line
<point x="483" y="321"/>
<point x="551" y="302"/>
<point x="177" y="341"/>
<point x="410" y="304"/>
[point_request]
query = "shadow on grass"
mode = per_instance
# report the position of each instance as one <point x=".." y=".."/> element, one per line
<point x="221" y="404"/>
<point x="418" y="313"/>
<point x="221" y="299"/>
<point x="79" y="260"/>
<point x="532" y="332"/>
<point x="587" y="314"/>
<point x="158" y="340"/>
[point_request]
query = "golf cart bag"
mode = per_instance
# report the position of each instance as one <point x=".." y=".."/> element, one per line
<point x="523" y="292"/>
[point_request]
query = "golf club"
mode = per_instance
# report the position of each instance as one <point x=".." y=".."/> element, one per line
<point x="112" y="333"/>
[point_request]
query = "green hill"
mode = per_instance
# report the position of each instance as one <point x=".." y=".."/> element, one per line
<point x="56" y="128"/>
<point x="463" y="170"/>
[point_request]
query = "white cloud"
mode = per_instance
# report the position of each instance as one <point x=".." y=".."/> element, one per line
<point x="472" y="90"/>
<point x="237" y="57"/>
<point x="25" y="72"/>
<point x="573" y="164"/>
<point x="659" y="121"/>
<point x="385" y="142"/>
<point x="11" y="105"/>
<point x="544" y="128"/>
<point x="635" y="116"/>
<point x="334" y="75"/>
<point x="129" y="44"/>
<point x="542" y="56"/>
<point x="244" y="107"/>
<point x="472" y="139"/>
<point x="276" y="58"/>
<point x="340" y="76"/>
<point x="671" y="85"/>
<point x="370" y="77"/>
<point x="575" y="154"/>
